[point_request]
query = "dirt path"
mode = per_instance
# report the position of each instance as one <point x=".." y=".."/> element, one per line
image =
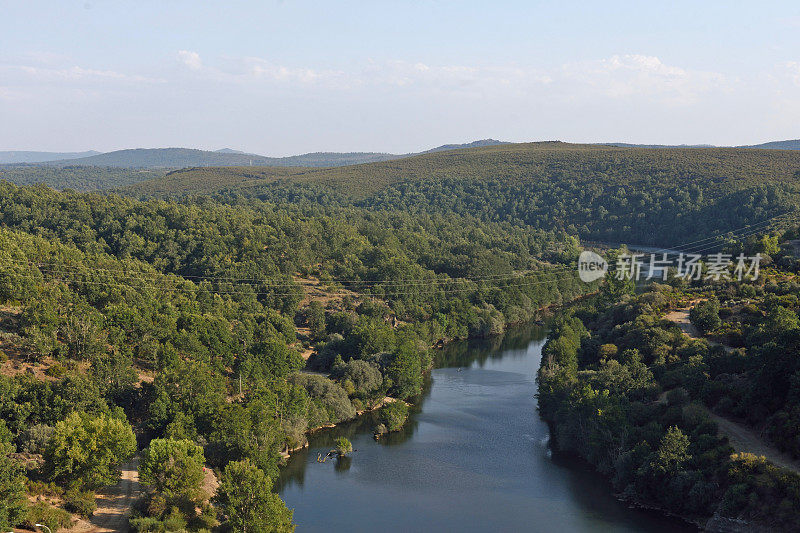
<point x="741" y="437"/>
<point x="681" y="317"/>
<point x="745" y="439"/>
<point x="114" y="503"/>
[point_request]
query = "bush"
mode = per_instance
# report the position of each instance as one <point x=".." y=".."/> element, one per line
<point x="365" y="376"/>
<point x="147" y="525"/>
<point x="329" y="395"/>
<point x="394" y="415"/>
<point x="35" y="438"/>
<point x="677" y="396"/>
<point x="80" y="502"/>
<point x="343" y="446"/>
<point x="56" y="370"/>
<point x="705" y="315"/>
<point x="52" y="517"/>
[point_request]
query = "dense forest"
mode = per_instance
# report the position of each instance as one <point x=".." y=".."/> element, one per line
<point x="78" y="178"/>
<point x="646" y="196"/>
<point x="185" y="333"/>
<point x="200" y="324"/>
<point x="646" y="385"/>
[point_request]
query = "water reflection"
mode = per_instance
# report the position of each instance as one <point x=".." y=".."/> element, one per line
<point x="473" y="457"/>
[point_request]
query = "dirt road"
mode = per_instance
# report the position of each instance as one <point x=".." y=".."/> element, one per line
<point x="746" y="439"/>
<point x="741" y="437"/>
<point x="114" y="503"/>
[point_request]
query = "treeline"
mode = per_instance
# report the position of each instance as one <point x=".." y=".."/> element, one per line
<point x="660" y="197"/>
<point x="631" y="393"/>
<point x="76" y="177"/>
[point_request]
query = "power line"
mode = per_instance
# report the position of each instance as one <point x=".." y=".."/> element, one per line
<point x="60" y="269"/>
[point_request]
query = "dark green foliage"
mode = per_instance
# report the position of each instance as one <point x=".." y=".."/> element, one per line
<point x="315" y="318"/>
<point x="52" y="517"/>
<point x="85" y="451"/>
<point x="76" y="177"/>
<point x="248" y="503"/>
<point x="173" y="469"/>
<point x="13" y="503"/>
<point x="705" y="315"/>
<point x="333" y="404"/>
<point x="80" y="503"/>
<point x="242" y="431"/>
<point x="603" y="403"/>
<point x="646" y="196"/>
<point x="394" y="415"/>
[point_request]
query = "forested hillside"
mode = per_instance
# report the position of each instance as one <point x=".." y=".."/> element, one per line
<point x="212" y="317"/>
<point x="78" y="178"/>
<point x="675" y="393"/>
<point x="181" y="332"/>
<point x="645" y="196"/>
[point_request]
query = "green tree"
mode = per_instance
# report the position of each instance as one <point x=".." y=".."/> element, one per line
<point x="86" y="450"/>
<point x="343" y="445"/>
<point x="315" y="317"/>
<point x="248" y="503"/>
<point x="705" y="315"/>
<point x="247" y="431"/>
<point x="405" y="371"/>
<point x="174" y="470"/>
<point x="672" y="452"/>
<point x="394" y="415"/>
<point x="13" y="504"/>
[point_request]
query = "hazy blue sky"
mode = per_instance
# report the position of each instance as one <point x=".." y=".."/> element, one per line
<point x="286" y="77"/>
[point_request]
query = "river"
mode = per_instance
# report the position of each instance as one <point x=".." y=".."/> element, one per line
<point x="474" y="456"/>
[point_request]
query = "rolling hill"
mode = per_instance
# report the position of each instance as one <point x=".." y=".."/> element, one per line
<point x="660" y="196"/>
<point x="17" y="157"/>
<point x="793" y="144"/>
<point x="188" y="157"/>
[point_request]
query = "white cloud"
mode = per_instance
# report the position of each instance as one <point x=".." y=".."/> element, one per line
<point x="73" y="73"/>
<point x="622" y="76"/>
<point x="793" y="70"/>
<point x="190" y="59"/>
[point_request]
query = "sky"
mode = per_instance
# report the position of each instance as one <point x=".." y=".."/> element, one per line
<point x="287" y="77"/>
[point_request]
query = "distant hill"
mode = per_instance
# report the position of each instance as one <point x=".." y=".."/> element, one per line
<point x="227" y="157"/>
<point x="597" y="192"/>
<point x="473" y="144"/>
<point x="189" y="157"/>
<point x="16" y="157"/>
<point x="163" y="158"/>
<point x="793" y="144"/>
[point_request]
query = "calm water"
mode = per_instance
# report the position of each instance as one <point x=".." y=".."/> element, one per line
<point x="473" y="457"/>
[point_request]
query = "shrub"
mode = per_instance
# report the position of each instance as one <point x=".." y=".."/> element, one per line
<point x="343" y="446"/>
<point x="147" y="525"/>
<point x="677" y="396"/>
<point x="56" y="370"/>
<point x="52" y="517"/>
<point x="35" y="438"/>
<point x="80" y="502"/>
<point x="394" y="415"/>
<point x="705" y="315"/>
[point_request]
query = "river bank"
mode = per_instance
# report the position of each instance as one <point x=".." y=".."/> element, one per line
<point x="445" y="464"/>
<point x="538" y="318"/>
